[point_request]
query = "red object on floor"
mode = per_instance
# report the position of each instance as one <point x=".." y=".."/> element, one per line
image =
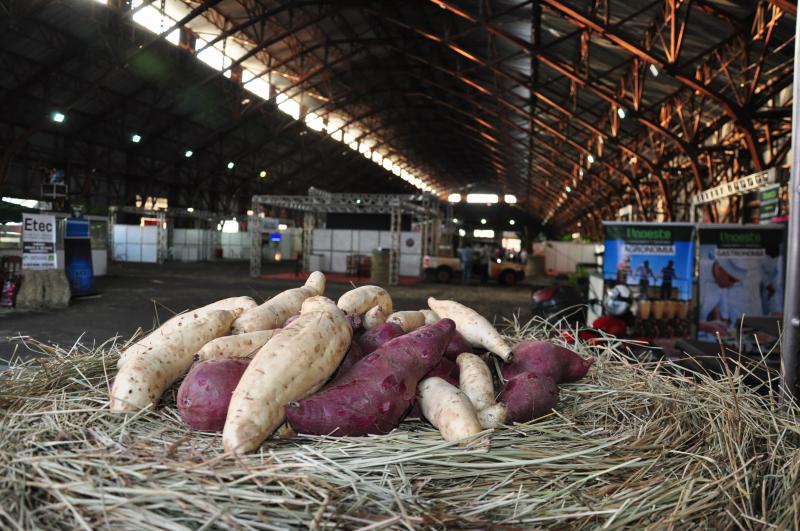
<point x="610" y="325"/>
<point x="338" y="278"/>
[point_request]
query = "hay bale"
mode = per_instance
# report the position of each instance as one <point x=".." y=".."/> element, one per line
<point x="57" y="292"/>
<point x="31" y="290"/>
<point x="634" y="445"/>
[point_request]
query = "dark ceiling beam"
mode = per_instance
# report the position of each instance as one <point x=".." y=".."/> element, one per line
<point x="739" y="115"/>
<point x="523" y="83"/>
<point x="785" y="5"/>
<point x="597" y="90"/>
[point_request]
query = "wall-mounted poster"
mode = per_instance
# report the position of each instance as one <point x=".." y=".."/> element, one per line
<point x="656" y="262"/>
<point x="741" y="273"/>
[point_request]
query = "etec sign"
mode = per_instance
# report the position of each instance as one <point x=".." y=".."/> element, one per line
<point x="34" y="225"/>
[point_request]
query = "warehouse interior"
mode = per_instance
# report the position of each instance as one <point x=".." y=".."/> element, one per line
<point x="613" y="177"/>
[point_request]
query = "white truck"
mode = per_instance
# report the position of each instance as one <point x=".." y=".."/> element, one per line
<point x="443" y="269"/>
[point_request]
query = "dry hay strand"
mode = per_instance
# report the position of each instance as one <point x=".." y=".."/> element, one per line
<point x="633" y="446"/>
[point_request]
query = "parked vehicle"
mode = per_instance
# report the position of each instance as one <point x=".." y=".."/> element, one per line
<point x="443" y="269"/>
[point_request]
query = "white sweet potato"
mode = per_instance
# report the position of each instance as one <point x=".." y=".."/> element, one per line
<point x="362" y="298"/>
<point x="374" y="317"/>
<point x="275" y="311"/>
<point x="493" y="416"/>
<point x="295" y="363"/>
<point x="237" y="305"/>
<point x="146" y="375"/>
<point x="237" y="346"/>
<point x="473" y="326"/>
<point x="430" y="316"/>
<point x="448" y="409"/>
<point x="408" y="320"/>
<point x="475" y="380"/>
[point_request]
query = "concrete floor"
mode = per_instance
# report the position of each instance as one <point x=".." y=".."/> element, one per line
<point x="137" y="295"/>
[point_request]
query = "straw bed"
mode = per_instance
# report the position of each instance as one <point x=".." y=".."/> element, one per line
<point x="633" y="446"/>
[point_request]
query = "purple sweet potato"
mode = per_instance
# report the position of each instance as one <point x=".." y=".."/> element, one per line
<point x="205" y="393"/>
<point x="456" y="346"/>
<point x="528" y="396"/>
<point x="446" y="370"/>
<point x="374" y="394"/>
<point x="546" y="359"/>
<point x="376" y="337"/>
<point x="353" y="355"/>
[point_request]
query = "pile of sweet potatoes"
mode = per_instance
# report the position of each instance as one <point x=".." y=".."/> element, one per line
<point x="349" y="368"/>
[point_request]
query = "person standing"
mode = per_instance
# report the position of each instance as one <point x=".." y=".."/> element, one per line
<point x="465" y="254"/>
<point x="645" y="274"/>
<point x="667" y="276"/>
<point x="623" y="270"/>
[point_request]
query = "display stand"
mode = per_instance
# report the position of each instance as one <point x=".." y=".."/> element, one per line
<point x="318" y="203"/>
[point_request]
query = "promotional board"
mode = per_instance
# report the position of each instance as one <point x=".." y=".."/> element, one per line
<point x="741" y="273"/>
<point x="78" y="257"/>
<point x="656" y="261"/>
<point x="38" y="241"/>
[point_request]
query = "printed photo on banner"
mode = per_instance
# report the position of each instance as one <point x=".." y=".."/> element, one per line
<point x="741" y="273"/>
<point x="655" y="259"/>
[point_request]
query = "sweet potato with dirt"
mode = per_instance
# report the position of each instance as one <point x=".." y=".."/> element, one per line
<point x="375" y="316"/>
<point x="374" y="338"/>
<point x="546" y="359"/>
<point x="373" y="396"/>
<point x="236" y="305"/>
<point x="528" y="396"/>
<point x="294" y="364"/>
<point x="359" y="300"/>
<point x="205" y="393"/>
<point x="274" y="312"/>
<point x="146" y="375"/>
<point x="448" y="409"/>
<point x="408" y="320"/>
<point x="475" y="380"/>
<point x="236" y="346"/>
<point x="493" y="416"/>
<point x="447" y="371"/>
<point x="473" y="326"/>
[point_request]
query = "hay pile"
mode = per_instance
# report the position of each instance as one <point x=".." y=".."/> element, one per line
<point x="634" y="446"/>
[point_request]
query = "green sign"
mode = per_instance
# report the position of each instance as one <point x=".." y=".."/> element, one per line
<point x="769" y="198"/>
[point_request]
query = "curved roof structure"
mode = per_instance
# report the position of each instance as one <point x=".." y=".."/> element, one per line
<point x="575" y="107"/>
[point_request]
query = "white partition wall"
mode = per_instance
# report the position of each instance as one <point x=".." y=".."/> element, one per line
<point x="133" y="243"/>
<point x="563" y="257"/>
<point x="191" y="245"/>
<point x="331" y="247"/>
<point x="235" y="245"/>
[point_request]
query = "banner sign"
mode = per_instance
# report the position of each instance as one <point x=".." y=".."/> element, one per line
<point x="78" y="257"/>
<point x="741" y="274"/>
<point x="746" y="184"/>
<point x="658" y="258"/>
<point x="656" y="262"/>
<point x="38" y="241"/>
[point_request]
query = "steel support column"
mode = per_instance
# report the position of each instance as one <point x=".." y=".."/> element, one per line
<point x="791" y="307"/>
<point x="254" y="226"/>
